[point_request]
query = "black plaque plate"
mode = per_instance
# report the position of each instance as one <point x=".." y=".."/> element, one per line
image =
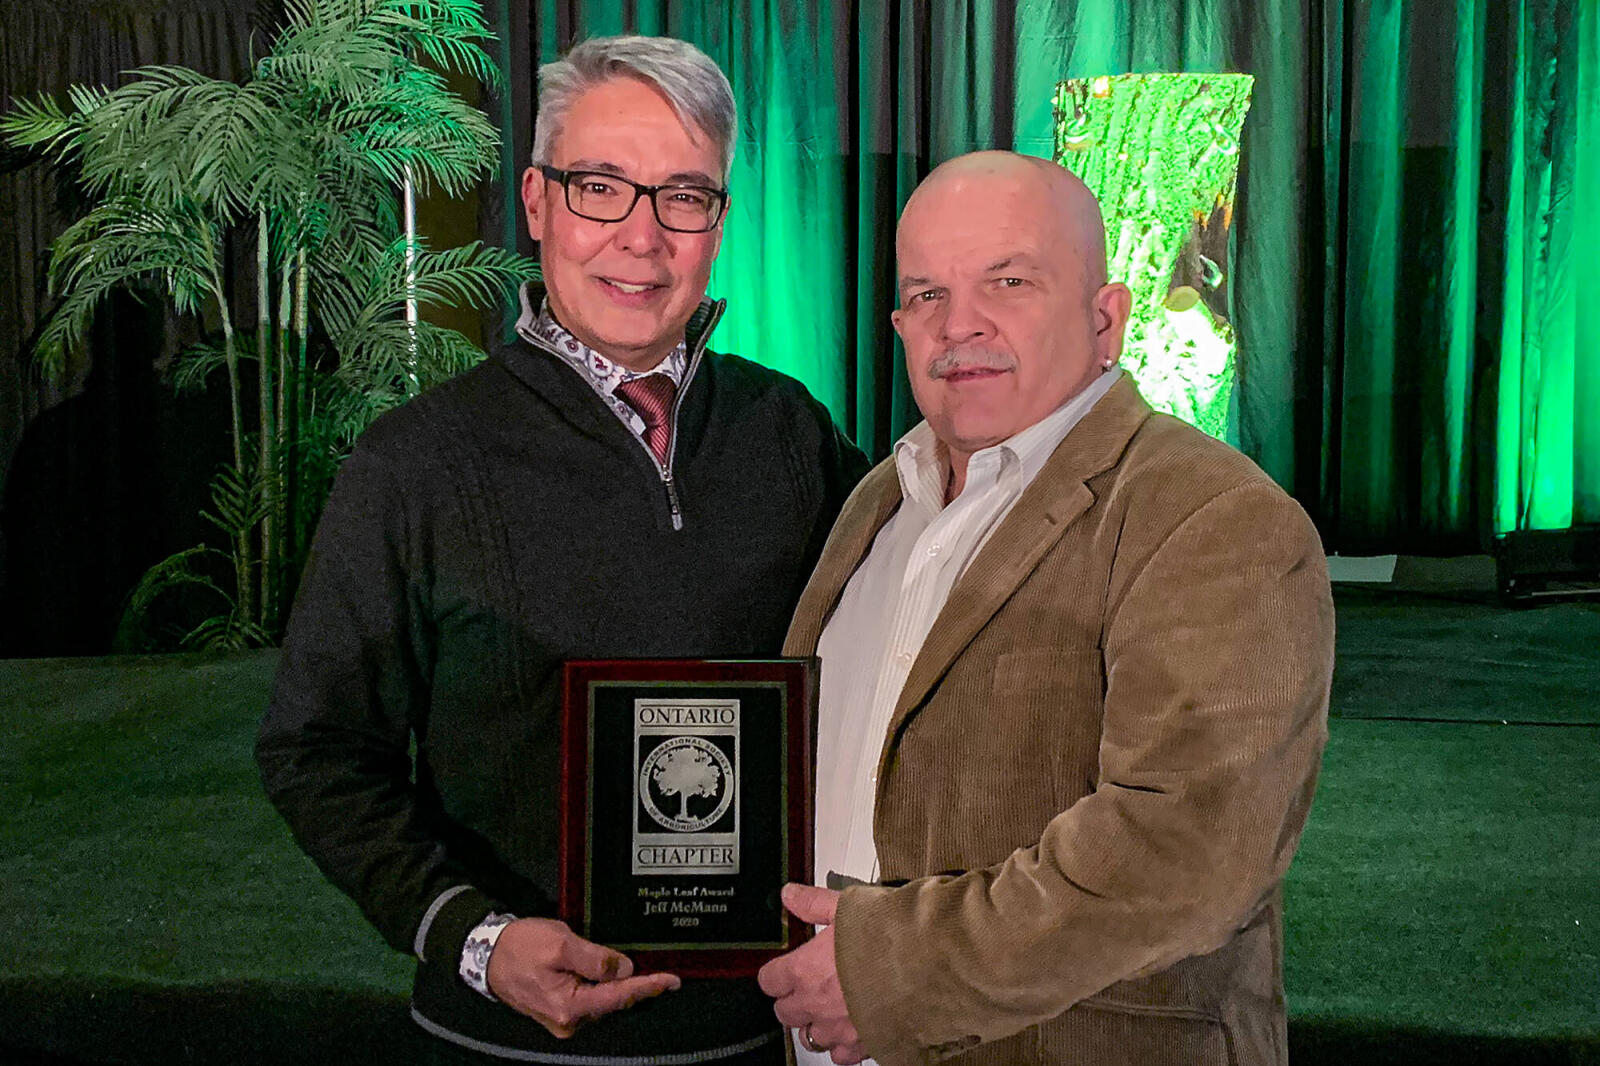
<point x="685" y="807"/>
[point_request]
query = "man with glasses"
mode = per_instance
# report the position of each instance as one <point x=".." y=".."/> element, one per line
<point x="605" y="487"/>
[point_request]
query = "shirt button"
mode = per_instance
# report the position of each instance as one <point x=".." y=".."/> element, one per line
<point x="933" y="549"/>
<point x="902" y="657"/>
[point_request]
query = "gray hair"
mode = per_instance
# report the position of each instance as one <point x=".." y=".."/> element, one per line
<point x="695" y="87"/>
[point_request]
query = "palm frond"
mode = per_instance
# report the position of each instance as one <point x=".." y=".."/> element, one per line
<point x="440" y="138"/>
<point x="442" y="354"/>
<point x="227" y="632"/>
<point x="463" y="15"/>
<point x="338" y="302"/>
<point x="196" y="363"/>
<point x="338" y="55"/>
<point x="285" y="179"/>
<point x="446" y="33"/>
<point x="238" y="501"/>
<point x="120" y="242"/>
<point x="128" y="114"/>
<point x="174" y="572"/>
<point x="173" y="138"/>
<point x="350" y="401"/>
<point x="43" y="124"/>
<point x="124" y="239"/>
<point x="87" y="98"/>
<point x="243" y="153"/>
<point x="383" y="365"/>
<point x="472" y="275"/>
<point x="299" y="13"/>
<point x="325" y="439"/>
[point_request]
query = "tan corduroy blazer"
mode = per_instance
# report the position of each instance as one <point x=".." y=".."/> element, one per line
<point x="1100" y="765"/>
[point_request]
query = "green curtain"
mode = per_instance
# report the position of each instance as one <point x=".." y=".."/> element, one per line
<point x="1409" y="454"/>
<point x="1549" y="406"/>
<point x="1469" y="389"/>
<point x="1414" y="360"/>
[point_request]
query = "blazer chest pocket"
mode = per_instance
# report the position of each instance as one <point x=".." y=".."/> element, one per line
<point x="1075" y="673"/>
<point x="1005" y="743"/>
<point x="1058" y="695"/>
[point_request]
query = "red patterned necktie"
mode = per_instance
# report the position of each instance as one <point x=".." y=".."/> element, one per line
<point x="652" y="396"/>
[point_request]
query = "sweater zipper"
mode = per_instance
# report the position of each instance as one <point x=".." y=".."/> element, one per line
<point x="672" y="499"/>
<point x="674" y="504"/>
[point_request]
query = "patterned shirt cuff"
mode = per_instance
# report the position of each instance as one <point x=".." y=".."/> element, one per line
<point x="475" y="954"/>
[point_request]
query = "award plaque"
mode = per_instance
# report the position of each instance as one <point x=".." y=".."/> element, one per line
<point x="685" y="807"/>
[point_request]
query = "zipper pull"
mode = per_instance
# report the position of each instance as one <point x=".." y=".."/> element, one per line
<point x="672" y="499"/>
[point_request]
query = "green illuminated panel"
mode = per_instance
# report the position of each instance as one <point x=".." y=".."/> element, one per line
<point x="1161" y="152"/>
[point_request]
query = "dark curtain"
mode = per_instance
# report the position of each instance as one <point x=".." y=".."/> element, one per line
<point x="510" y="106"/>
<point x="1406" y="259"/>
<point x="103" y="473"/>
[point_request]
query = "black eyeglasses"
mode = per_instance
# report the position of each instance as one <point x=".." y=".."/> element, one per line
<point x="608" y="198"/>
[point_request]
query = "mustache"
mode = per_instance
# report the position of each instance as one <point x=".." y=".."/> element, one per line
<point x="952" y="360"/>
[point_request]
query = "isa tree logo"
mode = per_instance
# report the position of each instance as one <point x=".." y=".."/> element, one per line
<point x="686" y="794"/>
<point x="681" y="769"/>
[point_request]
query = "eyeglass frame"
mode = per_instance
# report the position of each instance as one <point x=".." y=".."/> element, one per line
<point x="564" y="178"/>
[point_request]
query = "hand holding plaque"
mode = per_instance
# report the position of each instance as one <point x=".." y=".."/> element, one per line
<point x="686" y="806"/>
<point x="543" y="969"/>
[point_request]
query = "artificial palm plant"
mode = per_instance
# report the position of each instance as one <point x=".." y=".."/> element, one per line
<point x="304" y="163"/>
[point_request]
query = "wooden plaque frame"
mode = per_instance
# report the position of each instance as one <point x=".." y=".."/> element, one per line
<point x="704" y="922"/>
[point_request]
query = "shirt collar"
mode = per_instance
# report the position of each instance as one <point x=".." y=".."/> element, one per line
<point x="541" y="328"/>
<point x="923" y="461"/>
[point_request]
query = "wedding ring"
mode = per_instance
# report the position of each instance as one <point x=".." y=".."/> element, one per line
<point x="811" y="1045"/>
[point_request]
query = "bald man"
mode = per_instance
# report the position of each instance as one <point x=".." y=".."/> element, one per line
<point x="1075" y="664"/>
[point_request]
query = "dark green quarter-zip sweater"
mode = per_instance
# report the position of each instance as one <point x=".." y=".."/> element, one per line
<point x="477" y="537"/>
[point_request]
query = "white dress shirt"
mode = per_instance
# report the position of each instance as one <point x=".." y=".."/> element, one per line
<point x="889" y="605"/>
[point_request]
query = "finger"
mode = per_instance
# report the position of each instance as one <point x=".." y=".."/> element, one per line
<point x="559" y="1030"/>
<point x="810" y="903"/>
<point x="837" y="1031"/>
<point x="776" y="978"/>
<point x="789" y="1013"/>
<point x="592" y="1001"/>
<point x="592" y="961"/>
<point x="840" y="1038"/>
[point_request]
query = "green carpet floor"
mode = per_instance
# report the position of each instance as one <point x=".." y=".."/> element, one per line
<point x="1445" y="907"/>
<point x="1448" y="887"/>
<point x="1415" y="656"/>
<point x="137" y="843"/>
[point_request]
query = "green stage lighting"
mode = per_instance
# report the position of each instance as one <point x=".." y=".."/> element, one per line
<point x="1161" y="152"/>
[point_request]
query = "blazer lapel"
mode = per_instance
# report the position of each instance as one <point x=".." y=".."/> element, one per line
<point x="868" y="508"/>
<point x="1056" y="498"/>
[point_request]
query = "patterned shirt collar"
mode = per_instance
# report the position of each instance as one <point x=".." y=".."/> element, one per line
<point x="541" y="328"/>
